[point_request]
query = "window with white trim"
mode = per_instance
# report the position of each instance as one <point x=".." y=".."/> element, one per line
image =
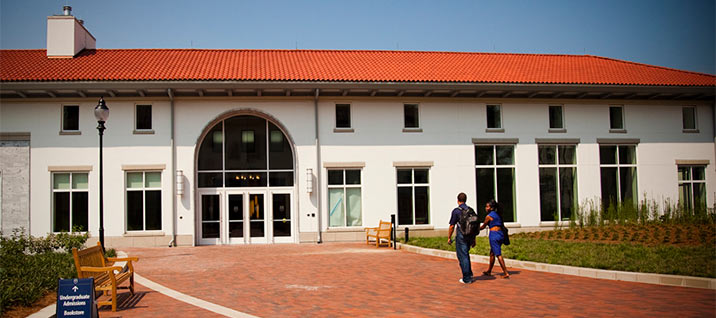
<point x="495" y="176"/>
<point x="70" y="118"/>
<point x="344" y="198"/>
<point x="617" y="165"/>
<point x="144" y="200"/>
<point x="413" y="196"/>
<point x="557" y="181"/>
<point x="692" y="187"/>
<point x="616" y="117"/>
<point x="556" y="117"/>
<point x="143" y="117"/>
<point x="70" y="202"/>
<point x="688" y="114"/>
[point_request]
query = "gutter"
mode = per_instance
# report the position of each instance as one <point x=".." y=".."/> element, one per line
<point x="173" y="169"/>
<point x="318" y="166"/>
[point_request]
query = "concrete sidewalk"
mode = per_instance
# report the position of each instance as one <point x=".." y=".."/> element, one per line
<point x="354" y="279"/>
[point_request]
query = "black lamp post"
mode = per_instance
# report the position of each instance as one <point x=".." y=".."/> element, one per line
<point x="101" y="112"/>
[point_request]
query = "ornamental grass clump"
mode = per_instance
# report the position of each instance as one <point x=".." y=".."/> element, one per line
<point x="31" y="266"/>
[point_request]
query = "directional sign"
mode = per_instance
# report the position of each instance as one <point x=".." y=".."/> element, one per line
<point x="75" y="298"/>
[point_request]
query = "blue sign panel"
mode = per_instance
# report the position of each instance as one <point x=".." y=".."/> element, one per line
<point x="75" y="298"/>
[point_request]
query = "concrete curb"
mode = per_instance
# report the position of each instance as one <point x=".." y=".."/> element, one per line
<point x="648" y="278"/>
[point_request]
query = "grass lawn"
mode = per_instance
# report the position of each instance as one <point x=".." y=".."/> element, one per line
<point x="676" y="259"/>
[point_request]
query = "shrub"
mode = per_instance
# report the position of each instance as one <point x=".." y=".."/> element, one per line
<point x="31" y="266"/>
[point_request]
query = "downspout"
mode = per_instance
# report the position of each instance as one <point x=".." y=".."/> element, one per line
<point x="318" y="166"/>
<point x="173" y="169"/>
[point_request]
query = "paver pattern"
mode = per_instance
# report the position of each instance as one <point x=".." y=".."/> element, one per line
<point x="353" y="279"/>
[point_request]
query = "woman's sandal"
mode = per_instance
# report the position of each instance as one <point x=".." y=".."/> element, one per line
<point x="486" y="273"/>
<point x="506" y="277"/>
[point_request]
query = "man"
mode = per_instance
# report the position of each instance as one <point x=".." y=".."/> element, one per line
<point x="462" y="244"/>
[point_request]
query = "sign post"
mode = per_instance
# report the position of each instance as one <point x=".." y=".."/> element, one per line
<point x="75" y="298"/>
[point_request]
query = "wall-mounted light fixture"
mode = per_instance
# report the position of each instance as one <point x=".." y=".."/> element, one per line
<point x="309" y="180"/>
<point x="180" y="183"/>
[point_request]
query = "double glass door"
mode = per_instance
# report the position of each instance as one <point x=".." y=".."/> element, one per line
<point x="240" y="217"/>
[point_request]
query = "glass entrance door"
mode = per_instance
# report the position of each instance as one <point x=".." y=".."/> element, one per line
<point x="245" y="216"/>
<point x="210" y="222"/>
<point x="257" y="217"/>
<point x="282" y="227"/>
<point x="236" y="217"/>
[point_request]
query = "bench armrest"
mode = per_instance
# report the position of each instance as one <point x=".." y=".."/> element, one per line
<point x="119" y="259"/>
<point x="100" y="269"/>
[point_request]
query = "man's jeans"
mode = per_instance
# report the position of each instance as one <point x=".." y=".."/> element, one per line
<point x="462" y="248"/>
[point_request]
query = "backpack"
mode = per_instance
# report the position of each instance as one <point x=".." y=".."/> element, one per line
<point x="469" y="223"/>
<point x="506" y="234"/>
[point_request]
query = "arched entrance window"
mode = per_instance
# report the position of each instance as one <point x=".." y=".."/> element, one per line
<point x="245" y="176"/>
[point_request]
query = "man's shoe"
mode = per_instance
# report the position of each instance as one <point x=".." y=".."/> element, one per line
<point x="462" y="281"/>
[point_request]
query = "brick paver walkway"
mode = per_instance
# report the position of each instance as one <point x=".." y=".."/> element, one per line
<point x="353" y="279"/>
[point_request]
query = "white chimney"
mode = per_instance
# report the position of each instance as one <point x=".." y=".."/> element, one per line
<point x="67" y="36"/>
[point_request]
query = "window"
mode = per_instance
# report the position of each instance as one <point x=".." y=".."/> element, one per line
<point x="557" y="181"/>
<point x="143" y="120"/>
<point x="413" y="196"/>
<point x="245" y="151"/>
<point x="70" y="118"/>
<point x="495" y="175"/>
<point x="144" y="201"/>
<point x="69" y="202"/>
<point x="494" y="118"/>
<point x="344" y="198"/>
<point x="411" y="116"/>
<point x="343" y="116"/>
<point x="618" y="174"/>
<point x="689" y="118"/>
<point x="692" y="188"/>
<point x="556" y="117"/>
<point x="616" y="117"/>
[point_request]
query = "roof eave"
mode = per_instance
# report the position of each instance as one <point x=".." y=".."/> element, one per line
<point x="86" y="89"/>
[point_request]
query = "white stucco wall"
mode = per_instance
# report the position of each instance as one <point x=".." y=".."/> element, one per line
<point x="378" y="140"/>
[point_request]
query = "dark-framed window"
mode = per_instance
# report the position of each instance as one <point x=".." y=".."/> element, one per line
<point x="344" y="198"/>
<point x="616" y="117"/>
<point x="557" y="181"/>
<point x="413" y="196"/>
<point x="144" y="200"/>
<point x="70" y="201"/>
<point x="556" y="117"/>
<point x="494" y="116"/>
<point x="618" y="170"/>
<point x="70" y="118"/>
<point x="495" y="175"/>
<point x="692" y="187"/>
<point x="143" y="117"/>
<point x="343" y="116"/>
<point x="245" y="151"/>
<point x="688" y="114"/>
<point x="411" y="116"/>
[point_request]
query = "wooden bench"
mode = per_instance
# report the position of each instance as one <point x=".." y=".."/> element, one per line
<point x="90" y="262"/>
<point x="379" y="234"/>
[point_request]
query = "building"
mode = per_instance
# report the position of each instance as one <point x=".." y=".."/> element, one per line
<point x="272" y="146"/>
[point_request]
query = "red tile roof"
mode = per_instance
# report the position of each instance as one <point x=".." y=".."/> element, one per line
<point x="325" y="65"/>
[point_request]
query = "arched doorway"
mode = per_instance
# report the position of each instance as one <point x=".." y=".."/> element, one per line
<point x="245" y="182"/>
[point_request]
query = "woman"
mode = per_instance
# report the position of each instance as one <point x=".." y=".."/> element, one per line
<point x="493" y="220"/>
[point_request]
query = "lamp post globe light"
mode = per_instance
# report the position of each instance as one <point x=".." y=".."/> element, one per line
<point x="101" y="112"/>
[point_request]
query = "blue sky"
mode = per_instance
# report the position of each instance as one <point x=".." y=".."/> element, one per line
<point x="673" y="33"/>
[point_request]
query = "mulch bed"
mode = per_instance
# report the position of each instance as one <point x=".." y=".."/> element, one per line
<point x="20" y="311"/>
<point x="645" y="234"/>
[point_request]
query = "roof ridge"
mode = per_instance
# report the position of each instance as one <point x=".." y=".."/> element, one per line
<point x="319" y="50"/>
<point x="652" y="66"/>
